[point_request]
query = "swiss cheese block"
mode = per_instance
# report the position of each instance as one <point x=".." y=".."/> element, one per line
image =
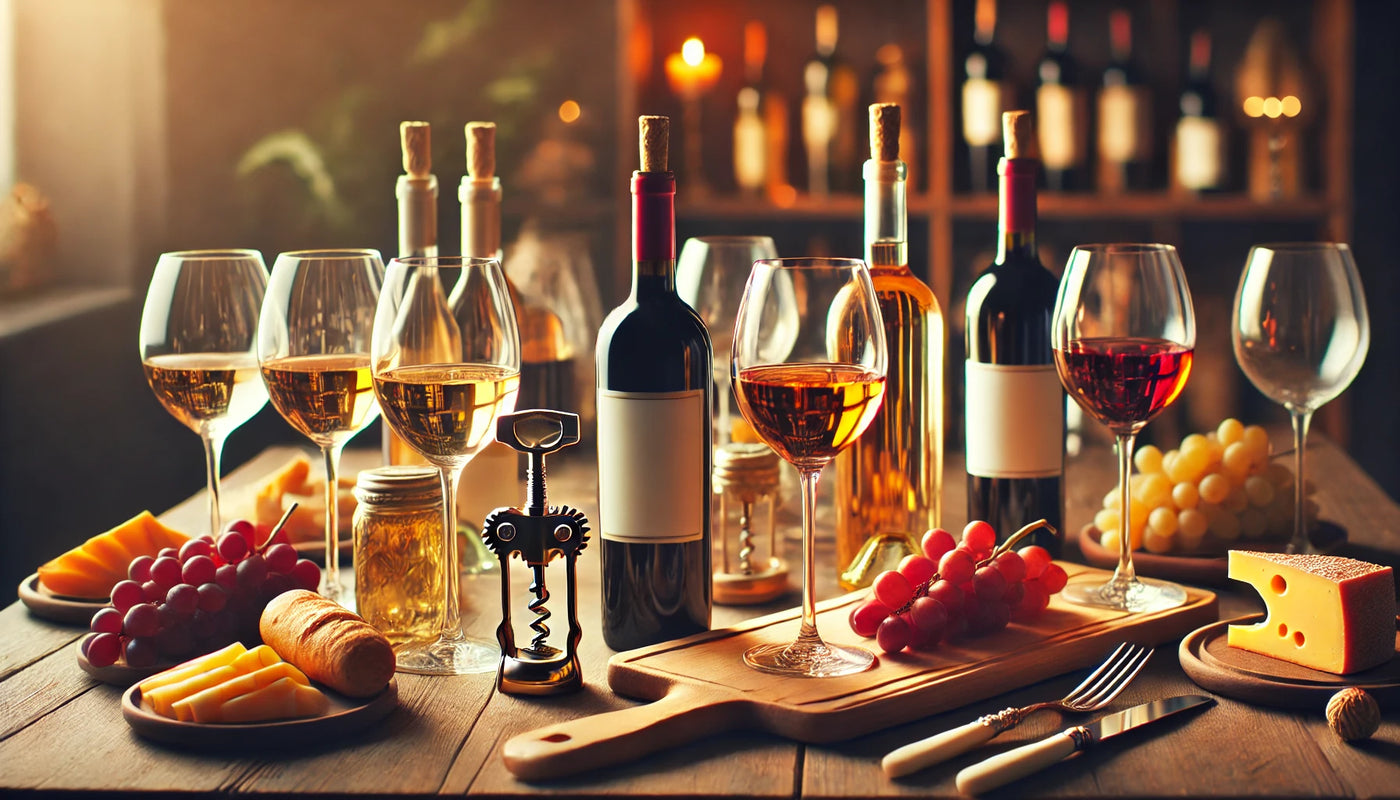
<point x="1324" y="612"/>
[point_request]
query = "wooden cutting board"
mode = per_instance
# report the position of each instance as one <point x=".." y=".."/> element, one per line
<point x="701" y="686"/>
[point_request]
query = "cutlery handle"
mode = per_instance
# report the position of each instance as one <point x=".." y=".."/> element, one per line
<point x="1012" y="765"/>
<point x="927" y="752"/>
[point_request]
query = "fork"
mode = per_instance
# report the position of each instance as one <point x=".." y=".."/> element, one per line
<point x="1097" y="691"/>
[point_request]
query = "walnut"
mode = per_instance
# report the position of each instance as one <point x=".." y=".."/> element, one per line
<point x="1352" y="714"/>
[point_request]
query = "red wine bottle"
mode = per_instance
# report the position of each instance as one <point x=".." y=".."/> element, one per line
<point x="1200" y="139"/>
<point x="1015" y="406"/>
<point x="1061" y="108"/>
<point x="654" y="395"/>
<point x="1125" y="115"/>
<point x="985" y="93"/>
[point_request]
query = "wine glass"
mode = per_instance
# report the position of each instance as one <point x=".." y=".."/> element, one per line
<point x="1124" y="335"/>
<point x="710" y="276"/>
<point x="313" y="346"/>
<point x="1301" y="333"/>
<point x="809" y="404"/>
<point x="446" y="363"/>
<point x="198" y="338"/>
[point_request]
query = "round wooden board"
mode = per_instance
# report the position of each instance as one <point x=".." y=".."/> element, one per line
<point x="1254" y="678"/>
<point x="56" y="608"/>
<point x="346" y="717"/>
<point x="118" y="674"/>
<point x="1201" y="569"/>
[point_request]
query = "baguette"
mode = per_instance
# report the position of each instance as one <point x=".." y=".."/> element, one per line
<point x="328" y="642"/>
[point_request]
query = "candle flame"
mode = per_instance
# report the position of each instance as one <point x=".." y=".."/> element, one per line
<point x="693" y="51"/>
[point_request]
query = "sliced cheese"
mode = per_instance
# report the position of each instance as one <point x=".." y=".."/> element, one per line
<point x="163" y="699"/>
<point x="284" y="698"/>
<point x="1324" y="612"/>
<point x="207" y="705"/>
<point x="193" y="667"/>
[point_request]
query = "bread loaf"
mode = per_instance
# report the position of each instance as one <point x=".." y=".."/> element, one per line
<point x="328" y="642"/>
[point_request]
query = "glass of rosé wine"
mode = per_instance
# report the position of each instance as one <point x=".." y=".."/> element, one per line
<point x="809" y="400"/>
<point x="198" y="341"/>
<point x="1124" y="333"/>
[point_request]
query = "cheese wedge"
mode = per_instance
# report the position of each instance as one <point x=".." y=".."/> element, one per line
<point x="1324" y="612"/>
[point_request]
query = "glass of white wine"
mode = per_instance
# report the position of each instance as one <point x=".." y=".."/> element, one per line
<point x="198" y="334"/>
<point x="313" y="346"/>
<point x="445" y="360"/>
<point x="1301" y="333"/>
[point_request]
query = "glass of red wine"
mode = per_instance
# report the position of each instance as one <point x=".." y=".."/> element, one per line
<point x="809" y="397"/>
<point x="1124" y="334"/>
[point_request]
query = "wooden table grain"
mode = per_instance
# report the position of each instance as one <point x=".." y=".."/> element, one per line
<point x="61" y="734"/>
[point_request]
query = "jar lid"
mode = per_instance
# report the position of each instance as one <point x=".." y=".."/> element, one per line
<point x="402" y="483"/>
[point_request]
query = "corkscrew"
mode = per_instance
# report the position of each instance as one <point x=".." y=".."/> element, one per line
<point x="538" y="534"/>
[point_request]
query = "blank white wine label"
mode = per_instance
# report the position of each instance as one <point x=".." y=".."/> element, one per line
<point x="1199" y="148"/>
<point x="1124" y="116"/>
<point x="981" y="109"/>
<point x="651" y="466"/>
<point x="1015" y="421"/>
<point x="1057" y="126"/>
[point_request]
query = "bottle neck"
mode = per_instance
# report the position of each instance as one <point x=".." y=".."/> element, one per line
<point x="1016" y="210"/>
<point x="886" y="214"/>
<point x="653" y="233"/>
<point x="481" y="217"/>
<point x="417" y="215"/>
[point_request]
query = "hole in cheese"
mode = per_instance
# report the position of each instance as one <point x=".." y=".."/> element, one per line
<point x="1282" y="629"/>
<point x="558" y="737"/>
<point x="1298" y="638"/>
<point x="1278" y="584"/>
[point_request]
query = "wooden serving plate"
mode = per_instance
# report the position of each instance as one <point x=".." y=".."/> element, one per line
<point x="1210" y="567"/>
<point x="346" y="716"/>
<point x="1254" y="678"/>
<point x="702" y="687"/>
<point x="119" y="674"/>
<point x="54" y="607"/>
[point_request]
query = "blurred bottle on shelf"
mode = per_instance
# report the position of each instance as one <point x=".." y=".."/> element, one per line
<point x="1061" y="108"/>
<point x="894" y="83"/>
<point x="760" y="124"/>
<point x="1124" y="114"/>
<point x="1273" y="92"/>
<point x="829" y="112"/>
<point x="1199" y="151"/>
<point x="985" y="94"/>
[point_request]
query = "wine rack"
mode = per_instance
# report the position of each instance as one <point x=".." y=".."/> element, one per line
<point x="951" y="228"/>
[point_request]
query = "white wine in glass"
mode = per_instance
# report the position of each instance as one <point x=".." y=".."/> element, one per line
<point x="313" y="345"/>
<point x="1301" y="333"/>
<point x="198" y="346"/>
<point x="444" y="404"/>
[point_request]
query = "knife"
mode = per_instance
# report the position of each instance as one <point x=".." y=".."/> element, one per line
<point x="1015" y="764"/>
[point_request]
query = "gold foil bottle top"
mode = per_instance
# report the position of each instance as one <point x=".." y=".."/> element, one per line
<point x="481" y="150"/>
<point x="654" y="135"/>
<point x="884" y="131"/>
<point x="415" y="138"/>
<point x="1016" y="133"/>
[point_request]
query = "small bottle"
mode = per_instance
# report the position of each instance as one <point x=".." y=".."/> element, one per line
<point x="985" y="93"/>
<point x="1125" y="115"/>
<point x="829" y="112"/>
<point x="1200" y="139"/>
<point x="398" y="551"/>
<point x="1061" y="108"/>
<point x="750" y="137"/>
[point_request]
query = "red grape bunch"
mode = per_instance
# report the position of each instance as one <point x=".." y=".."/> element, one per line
<point x="203" y="596"/>
<point x="958" y="589"/>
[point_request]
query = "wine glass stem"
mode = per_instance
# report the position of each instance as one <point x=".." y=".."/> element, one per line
<point x="1125" y="574"/>
<point x="1301" y="421"/>
<point x="452" y="609"/>
<point x="213" y="448"/>
<point x="330" y="581"/>
<point x="808" y="634"/>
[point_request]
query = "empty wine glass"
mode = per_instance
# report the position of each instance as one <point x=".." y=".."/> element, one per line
<point x="809" y="404"/>
<point x="1124" y="335"/>
<point x="446" y="363"/>
<point x="313" y="345"/>
<point x="198" y="346"/>
<point x="1301" y="333"/>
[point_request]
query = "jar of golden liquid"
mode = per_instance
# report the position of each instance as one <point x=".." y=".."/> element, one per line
<point x="399" y="550"/>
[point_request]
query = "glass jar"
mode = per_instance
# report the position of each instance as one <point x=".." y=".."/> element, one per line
<point x="398" y="551"/>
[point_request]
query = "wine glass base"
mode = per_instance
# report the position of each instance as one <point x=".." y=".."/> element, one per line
<point x="809" y="659"/>
<point x="448" y="657"/>
<point x="1138" y="595"/>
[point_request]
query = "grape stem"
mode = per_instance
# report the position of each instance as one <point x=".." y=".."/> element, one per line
<point x="921" y="590"/>
<point x="275" y="528"/>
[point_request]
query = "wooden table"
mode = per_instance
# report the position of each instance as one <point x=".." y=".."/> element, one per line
<point x="61" y="733"/>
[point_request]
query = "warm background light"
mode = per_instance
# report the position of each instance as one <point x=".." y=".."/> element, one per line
<point x="693" y="51"/>
<point x="569" y="111"/>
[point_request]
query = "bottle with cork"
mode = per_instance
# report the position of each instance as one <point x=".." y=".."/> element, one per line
<point x="655" y="396"/>
<point x="889" y="483"/>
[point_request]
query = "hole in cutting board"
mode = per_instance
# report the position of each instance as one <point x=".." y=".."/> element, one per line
<point x="557" y="737"/>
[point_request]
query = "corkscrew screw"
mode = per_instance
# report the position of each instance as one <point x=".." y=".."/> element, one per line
<point x="538" y="534"/>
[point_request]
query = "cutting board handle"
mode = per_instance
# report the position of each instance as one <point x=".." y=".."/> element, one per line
<point x="684" y="715"/>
